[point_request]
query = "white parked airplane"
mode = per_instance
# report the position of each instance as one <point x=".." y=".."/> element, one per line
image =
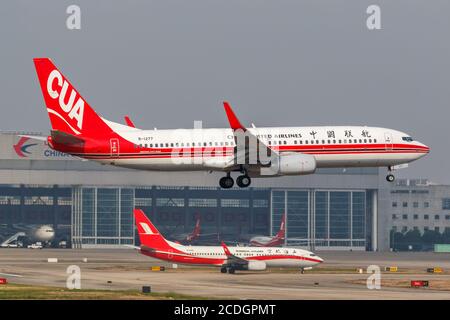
<point x="230" y="259"/>
<point x="254" y="152"/>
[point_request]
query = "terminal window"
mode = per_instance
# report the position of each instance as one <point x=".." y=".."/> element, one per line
<point x="446" y="204"/>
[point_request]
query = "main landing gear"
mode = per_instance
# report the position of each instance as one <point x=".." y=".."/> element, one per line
<point x="230" y="270"/>
<point x="390" y="177"/>
<point x="227" y="182"/>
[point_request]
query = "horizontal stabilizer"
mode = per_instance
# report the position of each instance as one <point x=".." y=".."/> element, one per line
<point x="64" y="138"/>
<point x="40" y="138"/>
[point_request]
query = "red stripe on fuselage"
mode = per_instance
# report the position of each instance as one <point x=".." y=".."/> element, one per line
<point x="186" y="258"/>
<point x="228" y="151"/>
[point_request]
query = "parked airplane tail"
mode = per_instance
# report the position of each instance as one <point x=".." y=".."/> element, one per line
<point x="148" y="234"/>
<point x="70" y="115"/>
<point x="282" y="232"/>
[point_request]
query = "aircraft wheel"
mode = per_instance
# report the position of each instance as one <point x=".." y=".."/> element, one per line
<point x="243" y="181"/>
<point x="231" y="270"/>
<point x="302" y="271"/>
<point x="226" y="182"/>
<point x="223" y="270"/>
<point x="390" y="178"/>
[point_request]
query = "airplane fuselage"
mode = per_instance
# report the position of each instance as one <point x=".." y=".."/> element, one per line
<point x="215" y="256"/>
<point x="213" y="149"/>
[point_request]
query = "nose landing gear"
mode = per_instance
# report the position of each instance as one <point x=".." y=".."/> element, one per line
<point x="390" y="177"/>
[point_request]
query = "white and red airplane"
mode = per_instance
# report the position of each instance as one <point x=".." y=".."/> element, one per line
<point x="277" y="240"/>
<point x="230" y="259"/>
<point x="254" y="152"/>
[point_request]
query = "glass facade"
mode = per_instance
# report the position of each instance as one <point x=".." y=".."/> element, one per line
<point x="102" y="216"/>
<point x="322" y="218"/>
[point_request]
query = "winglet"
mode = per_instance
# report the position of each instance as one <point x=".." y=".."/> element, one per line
<point x="225" y="248"/>
<point x="129" y="122"/>
<point x="235" y="124"/>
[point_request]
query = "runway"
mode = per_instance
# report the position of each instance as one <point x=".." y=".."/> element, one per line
<point x="336" y="278"/>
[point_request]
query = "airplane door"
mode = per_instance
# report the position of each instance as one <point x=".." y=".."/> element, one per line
<point x="388" y="140"/>
<point x="114" y="144"/>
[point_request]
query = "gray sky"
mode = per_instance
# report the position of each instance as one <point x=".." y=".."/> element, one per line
<point x="167" y="63"/>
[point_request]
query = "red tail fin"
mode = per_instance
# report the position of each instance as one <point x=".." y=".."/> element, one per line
<point x="282" y="232"/>
<point x="196" y="232"/>
<point x="148" y="234"/>
<point x="68" y="111"/>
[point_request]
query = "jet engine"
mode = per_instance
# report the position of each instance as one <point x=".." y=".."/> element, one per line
<point x="296" y="164"/>
<point x="255" y="265"/>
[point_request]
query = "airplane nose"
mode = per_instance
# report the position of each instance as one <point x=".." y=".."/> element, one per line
<point x="425" y="147"/>
<point x="320" y="259"/>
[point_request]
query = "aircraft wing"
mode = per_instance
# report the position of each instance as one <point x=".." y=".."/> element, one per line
<point x="249" y="151"/>
<point x="129" y="122"/>
<point x="231" y="258"/>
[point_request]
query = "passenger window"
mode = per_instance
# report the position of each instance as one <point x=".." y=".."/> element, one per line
<point x="285" y="142"/>
<point x="355" y="141"/>
<point x="365" y="140"/>
<point x="301" y="141"/>
<point x="323" y="141"/>
<point x="295" y="141"/>
<point x="171" y="145"/>
<point x="306" y="141"/>
<point x="312" y="141"/>
<point x="226" y="143"/>
<point x="375" y="140"/>
<point x="329" y="141"/>
<point x="360" y="141"/>
<point x="317" y="141"/>
<point x="334" y="141"/>
<point x="370" y="140"/>
<point x="340" y="141"/>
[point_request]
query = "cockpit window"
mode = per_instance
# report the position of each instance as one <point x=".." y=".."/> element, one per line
<point x="409" y="139"/>
<point x="312" y="255"/>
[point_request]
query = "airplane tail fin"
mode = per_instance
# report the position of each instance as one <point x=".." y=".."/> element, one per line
<point x="69" y="113"/>
<point x="196" y="232"/>
<point x="197" y="227"/>
<point x="282" y="232"/>
<point x="148" y="234"/>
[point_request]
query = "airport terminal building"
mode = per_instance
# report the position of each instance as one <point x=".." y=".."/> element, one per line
<point x="90" y="205"/>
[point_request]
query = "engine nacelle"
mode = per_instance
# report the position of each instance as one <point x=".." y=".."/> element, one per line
<point x="255" y="265"/>
<point x="296" y="164"/>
